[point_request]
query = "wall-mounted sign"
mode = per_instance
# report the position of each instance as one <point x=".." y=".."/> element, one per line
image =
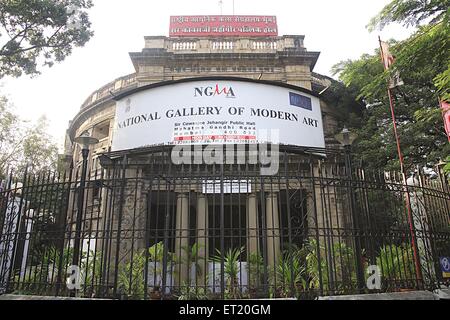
<point x="207" y="26"/>
<point x="217" y="112"/>
<point x="445" y="266"/>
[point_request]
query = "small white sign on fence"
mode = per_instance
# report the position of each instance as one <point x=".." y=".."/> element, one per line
<point x="229" y="186"/>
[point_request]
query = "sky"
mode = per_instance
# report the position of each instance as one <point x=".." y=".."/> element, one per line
<point x="335" y="28"/>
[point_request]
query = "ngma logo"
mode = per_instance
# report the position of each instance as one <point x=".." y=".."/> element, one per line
<point x="214" y="91"/>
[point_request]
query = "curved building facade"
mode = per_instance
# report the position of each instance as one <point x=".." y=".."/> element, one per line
<point x="208" y="207"/>
<point x="275" y="59"/>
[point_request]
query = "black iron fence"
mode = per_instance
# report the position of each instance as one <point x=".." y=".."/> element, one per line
<point x="144" y="228"/>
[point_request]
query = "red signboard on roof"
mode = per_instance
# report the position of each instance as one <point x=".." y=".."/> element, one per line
<point x="223" y="26"/>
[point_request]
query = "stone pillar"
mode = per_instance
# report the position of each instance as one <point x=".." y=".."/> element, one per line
<point x="422" y="229"/>
<point x="273" y="229"/>
<point x="252" y="224"/>
<point x="181" y="237"/>
<point x="127" y="215"/>
<point x="202" y="236"/>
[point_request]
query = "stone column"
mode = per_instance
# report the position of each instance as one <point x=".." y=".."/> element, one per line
<point x="252" y="224"/>
<point x="181" y="237"/>
<point x="125" y="215"/>
<point x="202" y="236"/>
<point x="273" y="229"/>
<point x="422" y="229"/>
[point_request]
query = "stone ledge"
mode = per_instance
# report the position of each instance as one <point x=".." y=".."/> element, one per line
<point x="443" y="294"/>
<point x="23" y="297"/>
<point x="412" y="295"/>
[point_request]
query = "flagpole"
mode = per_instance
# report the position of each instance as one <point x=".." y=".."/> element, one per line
<point x="403" y="172"/>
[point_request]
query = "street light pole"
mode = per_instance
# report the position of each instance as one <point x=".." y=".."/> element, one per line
<point x="85" y="140"/>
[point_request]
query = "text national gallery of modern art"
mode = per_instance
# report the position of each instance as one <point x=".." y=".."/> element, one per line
<point x="219" y="170"/>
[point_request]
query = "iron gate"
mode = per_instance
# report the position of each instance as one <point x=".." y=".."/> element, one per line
<point x="149" y="229"/>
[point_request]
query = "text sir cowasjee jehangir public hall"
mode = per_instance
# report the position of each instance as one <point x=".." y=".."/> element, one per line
<point x="218" y="170"/>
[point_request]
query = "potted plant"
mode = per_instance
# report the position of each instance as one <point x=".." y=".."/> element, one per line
<point x="155" y="293"/>
<point x="193" y="293"/>
<point x="397" y="265"/>
<point x="255" y="272"/>
<point x="193" y="260"/>
<point x="156" y="258"/>
<point x="231" y="270"/>
<point x="290" y="272"/>
<point x="156" y="255"/>
<point x="131" y="278"/>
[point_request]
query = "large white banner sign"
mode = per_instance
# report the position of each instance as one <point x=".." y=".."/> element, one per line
<point x="218" y="112"/>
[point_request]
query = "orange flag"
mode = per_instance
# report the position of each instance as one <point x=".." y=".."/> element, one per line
<point x="388" y="61"/>
<point x="446" y="115"/>
<point x="388" y="58"/>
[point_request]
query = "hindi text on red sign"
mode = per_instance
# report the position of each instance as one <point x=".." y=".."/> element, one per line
<point x="204" y="26"/>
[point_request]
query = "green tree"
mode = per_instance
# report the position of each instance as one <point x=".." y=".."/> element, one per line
<point x="9" y="127"/>
<point x="24" y="144"/>
<point x="43" y="32"/>
<point x="348" y="109"/>
<point x="411" y="12"/>
<point x="423" y="62"/>
<point x="39" y="150"/>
